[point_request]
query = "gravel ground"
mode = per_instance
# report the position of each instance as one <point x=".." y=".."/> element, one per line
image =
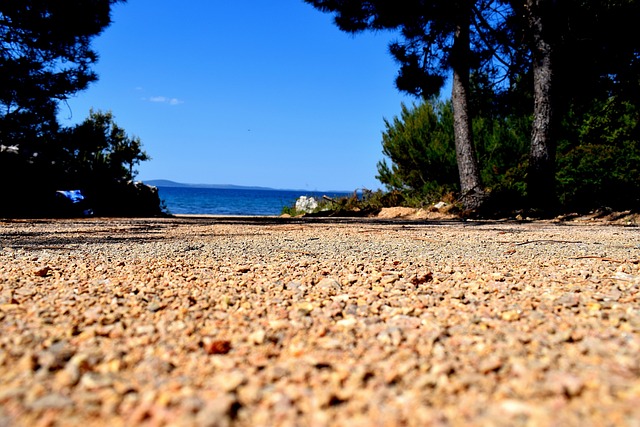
<point x="292" y="322"/>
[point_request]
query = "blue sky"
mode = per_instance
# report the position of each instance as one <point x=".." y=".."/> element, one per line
<point x="245" y="92"/>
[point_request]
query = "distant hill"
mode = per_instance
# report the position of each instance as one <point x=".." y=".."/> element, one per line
<point x="168" y="183"/>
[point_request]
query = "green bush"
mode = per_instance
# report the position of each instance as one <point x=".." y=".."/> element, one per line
<point x="421" y="150"/>
<point x="95" y="156"/>
<point x="599" y="161"/>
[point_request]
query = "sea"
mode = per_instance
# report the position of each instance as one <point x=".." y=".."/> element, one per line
<point x="232" y="201"/>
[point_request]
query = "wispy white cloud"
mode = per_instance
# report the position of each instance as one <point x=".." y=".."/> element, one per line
<point x="165" y="100"/>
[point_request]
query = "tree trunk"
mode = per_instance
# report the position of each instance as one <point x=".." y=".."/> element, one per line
<point x="541" y="172"/>
<point x="473" y="194"/>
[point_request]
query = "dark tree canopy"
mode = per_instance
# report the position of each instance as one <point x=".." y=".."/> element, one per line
<point x="576" y="51"/>
<point x="45" y="56"/>
<point x="436" y="38"/>
<point x="426" y="29"/>
<point x="543" y="59"/>
<point x="49" y="42"/>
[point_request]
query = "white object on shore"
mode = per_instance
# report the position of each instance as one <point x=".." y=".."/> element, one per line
<point x="306" y="204"/>
<point x="11" y="149"/>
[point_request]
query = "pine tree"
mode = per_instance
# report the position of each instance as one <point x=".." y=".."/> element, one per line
<point x="435" y="39"/>
<point x="45" y="56"/>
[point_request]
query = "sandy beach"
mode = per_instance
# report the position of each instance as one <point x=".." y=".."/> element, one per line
<point x="318" y="322"/>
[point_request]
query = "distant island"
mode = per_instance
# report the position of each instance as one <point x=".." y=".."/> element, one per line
<point x="168" y="183"/>
<point x="173" y="184"/>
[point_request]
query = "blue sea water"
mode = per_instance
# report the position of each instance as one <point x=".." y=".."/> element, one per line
<point x="223" y="201"/>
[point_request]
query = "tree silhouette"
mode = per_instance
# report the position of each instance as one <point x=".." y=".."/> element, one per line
<point x="437" y="37"/>
<point x="45" y="56"/>
<point x="99" y="149"/>
<point x="578" y="51"/>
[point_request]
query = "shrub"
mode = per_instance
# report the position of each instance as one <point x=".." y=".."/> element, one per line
<point x="599" y="161"/>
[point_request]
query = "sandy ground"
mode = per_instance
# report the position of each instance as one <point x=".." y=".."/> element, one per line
<point x="314" y="322"/>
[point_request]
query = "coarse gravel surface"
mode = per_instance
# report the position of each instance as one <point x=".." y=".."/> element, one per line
<point x="318" y="322"/>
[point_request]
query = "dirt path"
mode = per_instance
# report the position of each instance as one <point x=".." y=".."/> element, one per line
<point x="292" y="322"/>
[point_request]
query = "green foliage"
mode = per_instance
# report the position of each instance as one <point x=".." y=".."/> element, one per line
<point x="502" y="145"/>
<point x="45" y="56"/>
<point x="96" y="156"/>
<point x="420" y="146"/>
<point x="361" y="203"/>
<point x="599" y="161"/>
<point x="290" y="210"/>
<point x="99" y="149"/>
<point x="590" y="49"/>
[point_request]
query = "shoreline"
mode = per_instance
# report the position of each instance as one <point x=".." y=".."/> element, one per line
<point x="624" y="218"/>
<point x="323" y="321"/>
